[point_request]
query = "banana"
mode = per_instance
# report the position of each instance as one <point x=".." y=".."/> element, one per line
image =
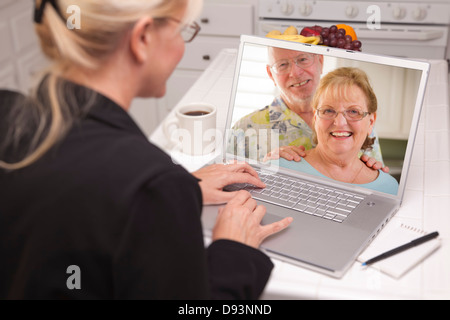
<point x="295" y="38"/>
<point x="291" y="34"/>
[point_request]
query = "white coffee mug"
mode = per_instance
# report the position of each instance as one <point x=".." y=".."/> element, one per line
<point x="193" y="129"/>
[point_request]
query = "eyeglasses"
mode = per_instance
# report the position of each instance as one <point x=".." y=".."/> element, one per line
<point x="285" y="66"/>
<point x="352" y="114"/>
<point x="188" y="32"/>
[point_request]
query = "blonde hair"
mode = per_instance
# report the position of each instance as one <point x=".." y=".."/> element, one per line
<point x="339" y="83"/>
<point x="103" y="25"/>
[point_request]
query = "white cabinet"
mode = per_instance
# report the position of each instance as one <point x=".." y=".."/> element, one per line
<point x="148" y="113"/>
<point x="222" y="23"/>
<point x="228" y="18"/>
<point x="20" y="56"/>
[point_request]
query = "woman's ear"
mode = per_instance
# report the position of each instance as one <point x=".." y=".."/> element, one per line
<point x="141" y="38"/>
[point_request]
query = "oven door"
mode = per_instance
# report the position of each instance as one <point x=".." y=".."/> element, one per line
<point x="412" y="41"/>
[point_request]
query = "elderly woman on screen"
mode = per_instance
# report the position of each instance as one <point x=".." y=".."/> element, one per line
<point x="345" y="108"/>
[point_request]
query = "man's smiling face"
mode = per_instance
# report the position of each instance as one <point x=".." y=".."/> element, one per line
<point x="299" y="83"/>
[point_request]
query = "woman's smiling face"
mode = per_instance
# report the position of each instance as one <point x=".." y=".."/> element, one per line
<point x="340" y="135"/>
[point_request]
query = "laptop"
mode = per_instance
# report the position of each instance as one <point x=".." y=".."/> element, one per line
<point x="328" y="240"/>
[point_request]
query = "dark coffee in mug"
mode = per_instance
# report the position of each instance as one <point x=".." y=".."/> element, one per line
<point x="193" y="129"/>
<point x="196" y="113"/>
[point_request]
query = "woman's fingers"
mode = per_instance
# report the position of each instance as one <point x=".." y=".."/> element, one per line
<point x="216" y="177"/>
<point x="241" y="220"/>
<point x="275" y="227"/>
<point x="290" y="153"/>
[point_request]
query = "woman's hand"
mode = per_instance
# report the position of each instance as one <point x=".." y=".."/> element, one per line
<point x="290" y="153"/>
<point x="241" y="220"/>
<point x="373" y="163"/>
<point x="215" y="177"/>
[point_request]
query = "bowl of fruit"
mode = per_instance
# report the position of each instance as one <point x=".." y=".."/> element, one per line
<point x="338" y="36"/>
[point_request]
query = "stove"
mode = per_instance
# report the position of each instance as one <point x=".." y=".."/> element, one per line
<point x="406" y="28"/>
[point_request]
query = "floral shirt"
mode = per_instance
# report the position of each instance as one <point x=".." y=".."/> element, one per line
<point x="273" y="127"/>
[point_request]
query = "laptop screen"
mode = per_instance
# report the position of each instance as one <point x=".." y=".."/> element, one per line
<point x="272" y="106"/>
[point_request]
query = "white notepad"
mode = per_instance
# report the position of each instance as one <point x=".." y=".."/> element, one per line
<point x="397" y="235"/>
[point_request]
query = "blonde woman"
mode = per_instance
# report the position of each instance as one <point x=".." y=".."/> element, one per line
<point x="89" y="209"/>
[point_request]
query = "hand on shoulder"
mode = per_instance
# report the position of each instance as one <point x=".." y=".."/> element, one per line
<point x="290" y="153"/>
<point x="374" y="164"/>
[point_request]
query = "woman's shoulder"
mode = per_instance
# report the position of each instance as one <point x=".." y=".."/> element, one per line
<point x="8" y="100"/>
<point x="386" y="177"/>
<point x="7" y="97"/>
<point x="385" y="183"/>
<point x="123" y="169"/>
<point x="119" y="154"/>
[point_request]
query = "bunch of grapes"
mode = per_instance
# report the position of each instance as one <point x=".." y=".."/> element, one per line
<point x="334" y="37"/>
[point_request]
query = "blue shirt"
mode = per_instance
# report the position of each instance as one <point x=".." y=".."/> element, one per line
<point x="384" y="183"/>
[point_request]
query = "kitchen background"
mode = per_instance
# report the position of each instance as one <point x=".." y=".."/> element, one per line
<point x="409" y="28"/>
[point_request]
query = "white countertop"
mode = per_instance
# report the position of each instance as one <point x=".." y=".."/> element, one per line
<point x="426" y="204"/>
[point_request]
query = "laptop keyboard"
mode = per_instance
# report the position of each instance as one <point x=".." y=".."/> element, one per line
<point x="306" y="197"/>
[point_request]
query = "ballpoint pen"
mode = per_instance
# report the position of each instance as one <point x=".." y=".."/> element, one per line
<point x="402" y="248"/>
